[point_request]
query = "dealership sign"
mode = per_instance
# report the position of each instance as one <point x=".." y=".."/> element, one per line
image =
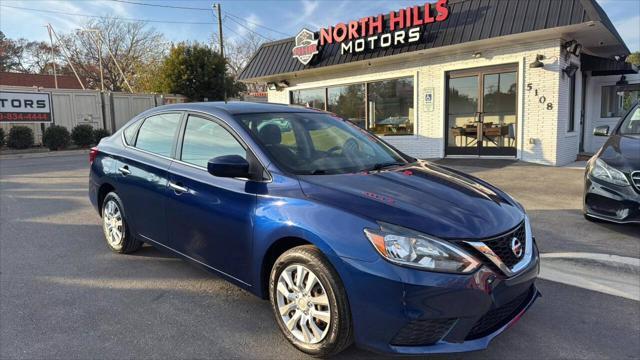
<point x="306" y="46"/>
<point x="372" y="32"/>
<point x="25" y="107"/>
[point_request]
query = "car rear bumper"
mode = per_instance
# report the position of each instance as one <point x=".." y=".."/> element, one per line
<point x="405" y="311"/>
<point x="619" y="204"/>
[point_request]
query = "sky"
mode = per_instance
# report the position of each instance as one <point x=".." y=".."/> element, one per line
<point x="272" y="19"/>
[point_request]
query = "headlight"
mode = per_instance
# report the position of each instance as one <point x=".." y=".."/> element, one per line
<point x="411" y="248"/>
<point x="600" y="170"/>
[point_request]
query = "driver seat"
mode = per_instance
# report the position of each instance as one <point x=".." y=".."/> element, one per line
<point x="271" y="136"/>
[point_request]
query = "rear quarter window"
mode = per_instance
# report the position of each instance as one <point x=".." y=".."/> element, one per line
<point x="130" y="133"/>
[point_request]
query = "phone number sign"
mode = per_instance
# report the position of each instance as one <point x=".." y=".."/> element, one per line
<point x="25" y="107"/>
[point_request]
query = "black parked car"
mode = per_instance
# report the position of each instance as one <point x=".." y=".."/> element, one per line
<point x="612" y="177"/>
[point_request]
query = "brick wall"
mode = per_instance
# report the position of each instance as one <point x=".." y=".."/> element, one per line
<point x="541" y="132"/>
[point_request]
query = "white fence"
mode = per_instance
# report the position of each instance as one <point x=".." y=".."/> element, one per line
<point x="108" y="110"/>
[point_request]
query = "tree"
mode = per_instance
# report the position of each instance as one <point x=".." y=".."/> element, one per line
<point x="196" y="71"/>
<point x="238" y="51"/>
<point x="32" y="57"/>
<point x="634" y="58"/>
<point x="133" y="44"/>
<point x="10" y="54"/>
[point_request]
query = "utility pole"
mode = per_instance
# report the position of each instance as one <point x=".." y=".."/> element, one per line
<point x="65" y="53"/>
<point x="224" y="69"/>
<point x="53" y="57"/>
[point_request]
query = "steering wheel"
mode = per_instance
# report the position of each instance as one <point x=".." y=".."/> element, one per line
<point x="350" y="147"/>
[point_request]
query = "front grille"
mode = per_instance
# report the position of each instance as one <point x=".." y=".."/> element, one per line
<point x="501" y="246"/>
<point x="498" y="317"/>
<point x="635" y="179"/>
<point x="422" y="332"/>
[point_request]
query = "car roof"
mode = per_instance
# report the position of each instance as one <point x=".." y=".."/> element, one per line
<point x="236" y="107"/>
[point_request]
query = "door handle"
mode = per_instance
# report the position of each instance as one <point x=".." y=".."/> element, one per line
<point x="179" y="189"/>
<point x="124" y="170"/>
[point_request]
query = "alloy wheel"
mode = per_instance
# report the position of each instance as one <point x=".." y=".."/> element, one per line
<point x="303" y="304"/>
<point x="113" y="224"/>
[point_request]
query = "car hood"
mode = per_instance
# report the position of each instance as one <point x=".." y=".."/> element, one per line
<point x="422" y="196"/>
<point x="622" y="152"/>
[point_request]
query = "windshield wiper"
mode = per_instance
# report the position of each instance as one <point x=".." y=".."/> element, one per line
<point x="382" y="166"/>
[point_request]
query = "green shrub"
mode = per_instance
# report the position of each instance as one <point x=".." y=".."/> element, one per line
<point x="1" y="137"/>
<point x="20" y="137"/>
<point x="56" y="137"/>
<point x="98" y="134"/>
<point x="82" y="135"/>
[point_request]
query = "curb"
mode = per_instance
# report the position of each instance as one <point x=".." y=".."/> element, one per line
<point x="36" y="155"/>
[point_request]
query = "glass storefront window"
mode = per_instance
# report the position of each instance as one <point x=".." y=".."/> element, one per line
<point x="614" y="104"/>
<point x="391" y="106"/>
<point x="312" y="98"/>
<point x="348" y="103"/>
<point x="389" y="109"/>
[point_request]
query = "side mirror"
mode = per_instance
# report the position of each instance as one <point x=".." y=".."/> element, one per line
<point x="601" y="131"/>
<point x="229" y="166"/>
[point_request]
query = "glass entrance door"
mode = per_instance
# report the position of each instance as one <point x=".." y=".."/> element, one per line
<point x="481" y="112"/>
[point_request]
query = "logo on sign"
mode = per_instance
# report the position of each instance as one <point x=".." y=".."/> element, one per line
<point x="306" y="46"/>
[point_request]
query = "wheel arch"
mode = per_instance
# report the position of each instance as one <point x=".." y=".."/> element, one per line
<point x="104" y="189"/>
<point x="277" y="248"/>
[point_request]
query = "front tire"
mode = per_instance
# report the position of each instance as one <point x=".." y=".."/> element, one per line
<point x="310" y="303"/>
<point x="114" y="226"/>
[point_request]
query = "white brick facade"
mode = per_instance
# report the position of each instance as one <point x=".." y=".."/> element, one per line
<point x="542" y="135"/>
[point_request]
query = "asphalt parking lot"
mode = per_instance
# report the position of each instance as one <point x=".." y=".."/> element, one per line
<point x="64" y="295"/>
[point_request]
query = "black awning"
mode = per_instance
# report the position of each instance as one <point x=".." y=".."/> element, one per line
<point x="603" y="66"/>
<point x="469" y="21"/>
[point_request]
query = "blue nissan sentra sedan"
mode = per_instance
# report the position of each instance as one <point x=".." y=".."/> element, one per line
<point x="350" y="239"/>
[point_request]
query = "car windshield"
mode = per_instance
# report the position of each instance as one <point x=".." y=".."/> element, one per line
<point x="631" y="124"/>
<point x="319" y="144"/>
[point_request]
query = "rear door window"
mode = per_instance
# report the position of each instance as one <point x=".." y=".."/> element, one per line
<point x="157" y="133"/>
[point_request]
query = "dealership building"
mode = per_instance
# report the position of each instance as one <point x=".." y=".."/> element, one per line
<point x="522" y="79"/>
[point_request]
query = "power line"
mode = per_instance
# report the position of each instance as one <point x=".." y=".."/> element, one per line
<point x="249" y="29"/>
<point x="161" y="5"/>
<point x="202" y="9"/>
<point x="228" y="28"/>
<point x="256" y="24"/>
<point x="107" y="17"/>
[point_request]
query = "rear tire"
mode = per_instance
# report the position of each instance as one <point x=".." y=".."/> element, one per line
<point x="115" y="228"/>
<point x="316" y="301"/>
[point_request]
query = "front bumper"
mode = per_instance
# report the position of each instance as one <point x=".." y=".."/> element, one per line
<point x="405" y="311"/>
<point x="619" y="204"/>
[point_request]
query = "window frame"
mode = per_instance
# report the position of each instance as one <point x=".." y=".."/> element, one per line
<point x="183" y="131"/>
<point x="139" y="123"/>
<point x="604" y="88"/>
<point x="251" y="155"/>
<point x="178" y="139"/>
<point x="412" y="75"/>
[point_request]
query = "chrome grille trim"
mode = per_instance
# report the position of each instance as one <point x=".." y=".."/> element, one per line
<point x="635" y="179"/>
<point x="495" y="259"/>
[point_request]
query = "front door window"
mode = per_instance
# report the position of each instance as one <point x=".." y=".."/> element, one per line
<point x="481" y="115"/>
